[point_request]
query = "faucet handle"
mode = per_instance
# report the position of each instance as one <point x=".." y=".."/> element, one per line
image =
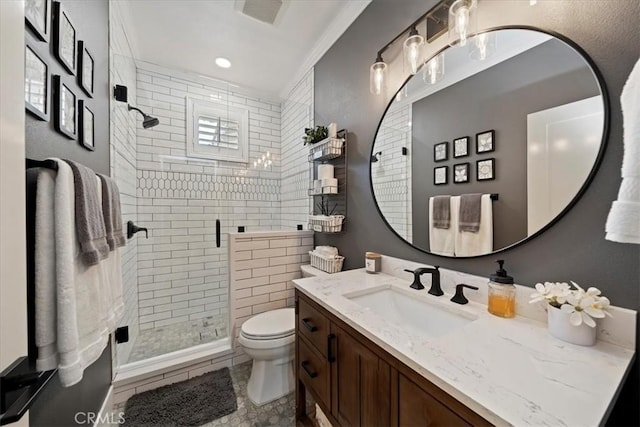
<point x="459" y="297"/>
<point x="417" y="284"/>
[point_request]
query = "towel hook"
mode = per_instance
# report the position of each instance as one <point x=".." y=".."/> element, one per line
<point x="133" y="229"/>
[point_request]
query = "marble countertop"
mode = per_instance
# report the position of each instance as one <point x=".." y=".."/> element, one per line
<point x="510" y="371"/>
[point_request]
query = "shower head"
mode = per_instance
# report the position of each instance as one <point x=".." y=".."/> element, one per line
<point x="147" y="121"/>
<point x="374" y="158"/>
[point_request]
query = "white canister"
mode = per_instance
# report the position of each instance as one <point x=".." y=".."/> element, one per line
<point x="325" y="171"/>
<point x="372" y="262"/>
<point x="559" y="326"/>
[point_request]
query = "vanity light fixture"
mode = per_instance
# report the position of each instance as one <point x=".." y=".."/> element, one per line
<point x="483" y="45"/>
<point x="412" y="50"/>
<point x="378" y="76"/>
<point x="462" y="21"/>
<point x="458" y="16"/>
<point x="433" y="70"/>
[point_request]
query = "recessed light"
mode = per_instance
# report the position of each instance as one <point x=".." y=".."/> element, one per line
<point x="223" y="62"/>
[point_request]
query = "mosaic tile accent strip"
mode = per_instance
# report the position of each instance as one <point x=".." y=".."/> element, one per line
<point x="178" y="185"/>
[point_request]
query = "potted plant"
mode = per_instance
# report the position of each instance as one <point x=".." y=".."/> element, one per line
<point x="572" y="313"/>
<point x="313" y="135"/>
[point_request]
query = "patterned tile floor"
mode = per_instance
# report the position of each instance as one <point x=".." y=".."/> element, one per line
<point x="165" y="339"/>
<point x="277" y="413"/>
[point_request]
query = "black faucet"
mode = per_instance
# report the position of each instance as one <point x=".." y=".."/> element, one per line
<point x="435" y="279"/>
<point x="133" y="229"/>
<point x="459" y="297"/>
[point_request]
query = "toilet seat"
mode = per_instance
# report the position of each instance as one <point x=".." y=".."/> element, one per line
<point x="270" y="325"/>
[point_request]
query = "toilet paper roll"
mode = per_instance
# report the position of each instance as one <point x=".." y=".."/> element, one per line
<point x="317" y="186"/>
<point x="325" y="171"/>
<point x="332" y="130"/>
<point x="329" y="182"/>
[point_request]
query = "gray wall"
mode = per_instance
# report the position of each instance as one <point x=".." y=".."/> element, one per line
<point x="57" y="406"/>
<point x="574" y="248"/>
<point x="91" y="21"/>
<point x="498" y="98"/>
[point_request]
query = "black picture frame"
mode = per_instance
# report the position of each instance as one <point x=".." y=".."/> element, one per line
<point x="484" y="174"/>
<point x="86" y="126"/>
<point x="461" y="172"/>
<point x="31" y="91"/>
<point x="441" y="152"/>
<point x="65" y="50"/>
<point x="63" y="118"/>
<point x="461" y="147"/>
<point x="444" y="175"/>
<point x="33" y="12"/>
<point x="86" y="69"/>
<point x="482" y="146"/>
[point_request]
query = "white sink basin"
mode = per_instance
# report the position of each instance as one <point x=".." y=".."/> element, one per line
<point x="413" y="314"/>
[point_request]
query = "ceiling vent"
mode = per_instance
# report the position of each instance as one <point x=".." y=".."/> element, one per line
<point x="263" y="10"/>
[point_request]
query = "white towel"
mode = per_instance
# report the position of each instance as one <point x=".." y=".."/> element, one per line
<point x="45" y="272"/>
<point x="480" y="243"/>
<point x="623" y="223"/>
<point x="442" y="241"/>
<point x="82" y="331"/>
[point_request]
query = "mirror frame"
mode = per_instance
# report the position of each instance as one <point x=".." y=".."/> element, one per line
<point x="594" y="170"/>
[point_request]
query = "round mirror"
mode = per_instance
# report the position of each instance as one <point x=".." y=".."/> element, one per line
<point x="517" y="116"/>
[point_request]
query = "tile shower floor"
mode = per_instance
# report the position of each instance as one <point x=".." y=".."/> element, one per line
<point x="165" y="339"/>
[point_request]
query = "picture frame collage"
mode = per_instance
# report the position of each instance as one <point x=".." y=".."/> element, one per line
<point x="50" y="96"/>
<point x="460" y="147"/>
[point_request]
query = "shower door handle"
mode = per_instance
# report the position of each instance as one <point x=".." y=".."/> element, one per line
<point x="217" y="233"/>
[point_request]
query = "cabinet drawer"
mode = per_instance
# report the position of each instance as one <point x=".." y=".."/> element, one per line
<point x="313" y="326"/>
<point x="313" y="371"/>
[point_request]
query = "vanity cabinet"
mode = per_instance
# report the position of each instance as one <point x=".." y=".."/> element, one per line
<point x="356" y="383"/>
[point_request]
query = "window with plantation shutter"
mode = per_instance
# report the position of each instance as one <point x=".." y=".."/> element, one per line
<point x="217" y="131"/>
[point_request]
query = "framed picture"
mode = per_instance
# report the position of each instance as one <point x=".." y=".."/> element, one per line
<point x="36" y="84"/>
<point x="485" y="169"/>
<point x="64" y="109"/>
<point x="440" y="175"/>
<point x="37" y="15"/>
<point x="64" y="39"/>
<point x="485" y="142"/>
<point x="461" y="147"/>
<point x="441" y="152"/>
<point x="85" y="68"/>
<point x="461" y="173"/>
<point x="86" y="126"/>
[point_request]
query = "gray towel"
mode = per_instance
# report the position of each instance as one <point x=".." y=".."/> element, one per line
<point x="441" y="212"/>
<point x="112" y="212"/>
<point x="90" y="228"/>
<point x="470" y="212"/>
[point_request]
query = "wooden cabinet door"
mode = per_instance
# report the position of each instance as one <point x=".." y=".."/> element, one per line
<point x="360" y="383"/>
<point x="416" y="407"/>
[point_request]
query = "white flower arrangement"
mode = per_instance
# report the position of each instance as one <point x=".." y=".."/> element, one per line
<point x="581" y="305"/>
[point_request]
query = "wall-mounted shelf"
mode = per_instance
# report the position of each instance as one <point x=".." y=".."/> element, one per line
<point x="329" y="151"/>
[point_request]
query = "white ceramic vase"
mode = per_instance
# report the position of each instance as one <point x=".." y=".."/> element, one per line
<point x="560" y="327"/>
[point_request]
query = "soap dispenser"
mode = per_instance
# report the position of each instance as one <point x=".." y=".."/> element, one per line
<point x="502" y="293"/>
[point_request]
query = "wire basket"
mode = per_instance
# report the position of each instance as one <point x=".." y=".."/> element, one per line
<point x="326" y="149"/>
<point x="326" y="224"/>
<point x="328" y="265"/>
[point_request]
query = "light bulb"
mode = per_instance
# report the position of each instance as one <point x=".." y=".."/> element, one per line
<point x="462" y="23"/>
<point x="533" y="2"/>
<point x="434" y="69"/>
<point x="377" y="76"/>
<point x="483" y="46"/>
<point x="412" y="47"/>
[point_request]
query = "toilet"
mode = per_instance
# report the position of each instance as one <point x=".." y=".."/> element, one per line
<point x="269" y="338"/>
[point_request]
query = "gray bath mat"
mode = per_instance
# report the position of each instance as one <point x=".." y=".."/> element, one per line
<point x="188" y="403"/>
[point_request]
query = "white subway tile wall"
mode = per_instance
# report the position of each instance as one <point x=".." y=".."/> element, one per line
<point x="297" y="114"/>
<point x="391" y="175"/>
<point x="262" y="267"/>
<point x="123" y="170"/>
<point x="182" y="275"/>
